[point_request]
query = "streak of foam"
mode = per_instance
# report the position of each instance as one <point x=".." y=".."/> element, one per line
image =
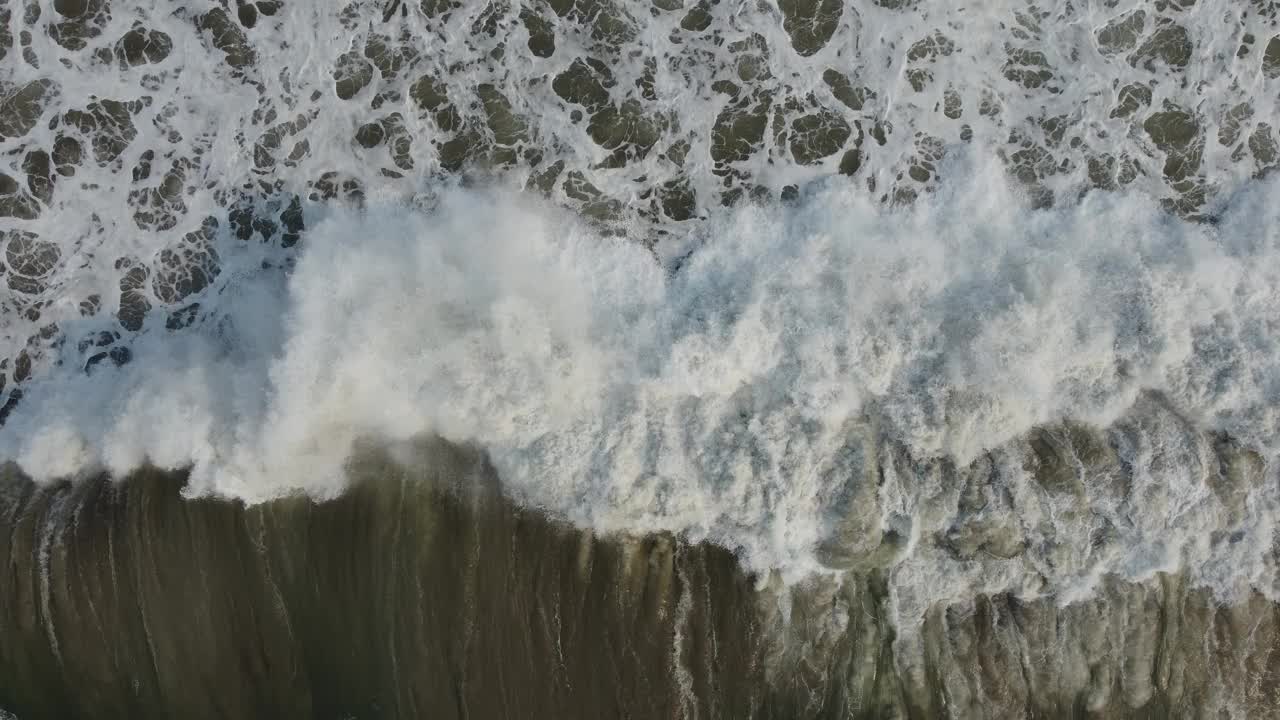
<point x="681" y="629"/>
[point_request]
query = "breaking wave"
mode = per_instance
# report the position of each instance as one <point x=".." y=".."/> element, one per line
<point x="777" y="382"/>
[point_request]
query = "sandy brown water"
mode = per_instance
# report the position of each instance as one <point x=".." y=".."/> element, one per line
<point x="424" y="593"/>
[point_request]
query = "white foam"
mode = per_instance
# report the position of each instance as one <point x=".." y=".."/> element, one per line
<point x="192" y="108"/>
<point x="722" y="399"/>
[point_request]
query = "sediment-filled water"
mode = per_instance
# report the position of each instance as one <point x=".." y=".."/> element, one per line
<point x="423" y="592"/>
<point x="675" y="359"/>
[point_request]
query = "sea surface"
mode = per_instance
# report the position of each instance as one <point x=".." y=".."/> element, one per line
<point x="639" y="359"/>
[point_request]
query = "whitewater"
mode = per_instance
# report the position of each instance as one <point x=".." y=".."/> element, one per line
<point x="729" y="392"/>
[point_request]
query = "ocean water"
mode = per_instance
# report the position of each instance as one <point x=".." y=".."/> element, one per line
<point x="894" y="358"/>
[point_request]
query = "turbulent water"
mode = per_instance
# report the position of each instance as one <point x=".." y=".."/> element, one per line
<point x="640" y="359"/>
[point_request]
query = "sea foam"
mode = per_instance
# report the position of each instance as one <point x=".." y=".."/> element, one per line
<point x="723" y="384"/>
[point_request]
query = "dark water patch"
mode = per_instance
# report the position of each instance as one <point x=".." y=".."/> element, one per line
<point x="1121" y="34"/>
<point x="423" y="592"/>
<point x="188" y="266"/>
<point x="417" y="594"/>
<point x="228" y="37"/>
<point x="78" y="21"/>
<point x="15" y="202"/>
<point x="108" y="124"/>
<point x="140" y="46"/>
<point x="1130" y="99"/>
<point x="40" y="177"/>
<point x="351" y="74"/>
<point x="134" y="299"/>
<point x="542" y="36"/>
<point x="817" y="135"/>
<point x="21" y="108"/>
<point x="1271" y="58"/>
<point x="1170" y="44"/>
<point x="585" y="82"/>
<point x="810" y="23"/>
<point x="739" y="131"/>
